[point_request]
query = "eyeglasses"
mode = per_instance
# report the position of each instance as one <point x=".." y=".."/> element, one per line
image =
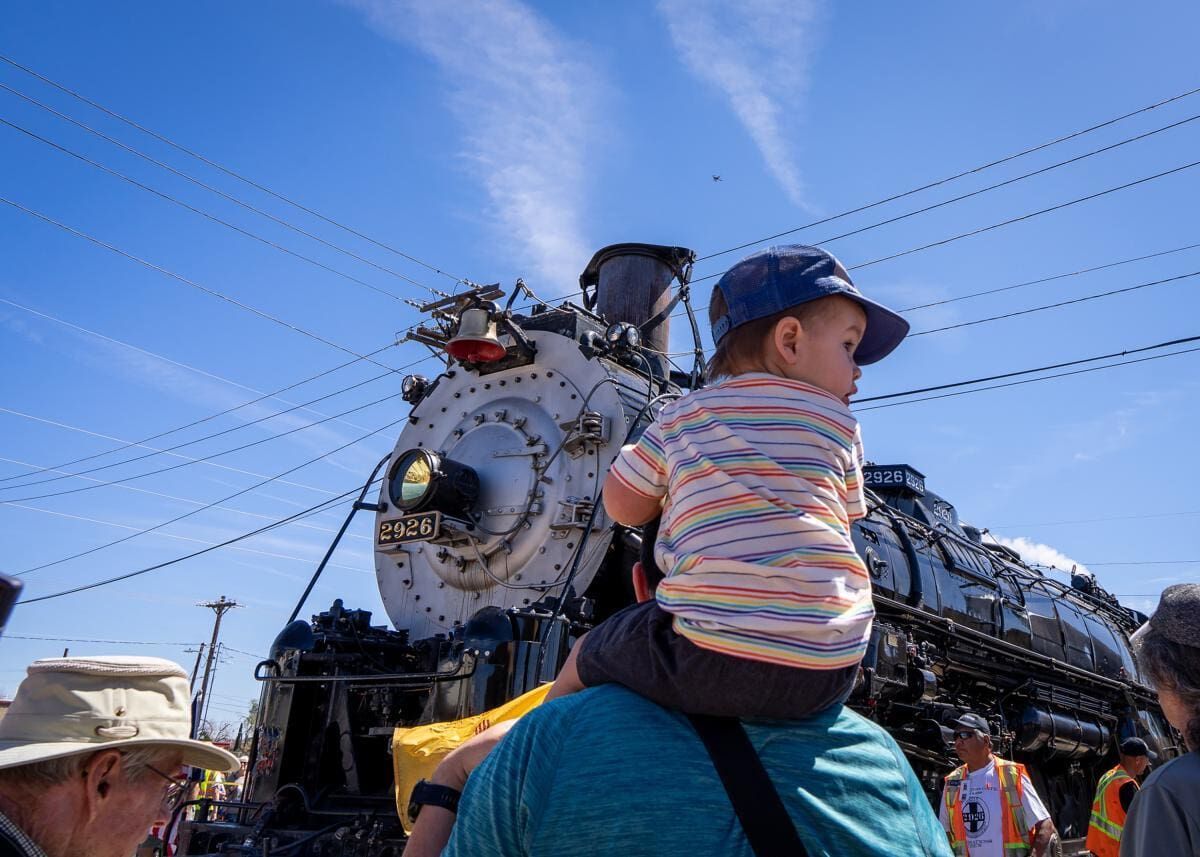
<point x="175" y="792"/>
<point x="964" y="734"/>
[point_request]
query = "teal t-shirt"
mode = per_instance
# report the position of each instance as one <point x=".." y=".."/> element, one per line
<point x="607" y="772"/>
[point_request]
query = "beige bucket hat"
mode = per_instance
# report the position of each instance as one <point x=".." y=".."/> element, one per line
<point x="67" y="706"/>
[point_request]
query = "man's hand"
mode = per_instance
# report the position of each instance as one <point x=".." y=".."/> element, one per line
<point x="1041" y="838"/>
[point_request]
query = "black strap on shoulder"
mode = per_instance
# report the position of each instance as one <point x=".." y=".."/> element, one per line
<point x="9" y="846"/>
<point x="759" y="808"/>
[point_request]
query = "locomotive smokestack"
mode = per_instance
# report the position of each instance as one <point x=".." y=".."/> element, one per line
<point x="632" y="282"/>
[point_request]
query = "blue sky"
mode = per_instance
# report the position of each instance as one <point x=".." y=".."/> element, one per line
<point x="501" y="139"/>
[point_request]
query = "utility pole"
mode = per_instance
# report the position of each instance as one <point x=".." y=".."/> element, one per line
<point x="200" y="702"/>
<point x="196" y="668"/>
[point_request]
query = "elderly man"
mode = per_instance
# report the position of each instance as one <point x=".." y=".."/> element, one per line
<point x="1165" y="815"/>
<point x="90" y="755"/>
<point x="989" y="807"/>
<point x="1114" y="794"/>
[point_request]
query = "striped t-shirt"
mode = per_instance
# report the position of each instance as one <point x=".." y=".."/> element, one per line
<point x="762" y="477"/>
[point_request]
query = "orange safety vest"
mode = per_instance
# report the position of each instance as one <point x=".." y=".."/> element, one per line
<point x="1017" y="834"/>
<point x="1108" y="818"/>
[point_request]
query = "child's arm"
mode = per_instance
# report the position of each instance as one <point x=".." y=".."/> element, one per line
<point x="626" y="506"/>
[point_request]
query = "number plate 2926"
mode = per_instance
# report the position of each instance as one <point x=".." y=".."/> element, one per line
<point x="410" y="528"/>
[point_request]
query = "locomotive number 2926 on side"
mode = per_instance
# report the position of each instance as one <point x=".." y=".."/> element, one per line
<point x="876" y="476"/>
<point x="410" y="528"/>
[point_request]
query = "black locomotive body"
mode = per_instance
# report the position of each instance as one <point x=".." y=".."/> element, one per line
<point x="493" y="554"/>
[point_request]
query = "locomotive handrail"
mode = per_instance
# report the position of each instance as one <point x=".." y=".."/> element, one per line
<point x="951" y="627"/>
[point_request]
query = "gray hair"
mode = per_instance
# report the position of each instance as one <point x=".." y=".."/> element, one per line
<point x="1174" y="667"/>
<point x="51" y="772"/>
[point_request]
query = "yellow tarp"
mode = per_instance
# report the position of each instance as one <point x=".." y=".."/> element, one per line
<point x="416" y="751"/>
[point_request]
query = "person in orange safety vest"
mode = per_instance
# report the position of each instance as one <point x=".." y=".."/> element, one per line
<point x="989" y="807"/>
<point x="1114" y="794"/>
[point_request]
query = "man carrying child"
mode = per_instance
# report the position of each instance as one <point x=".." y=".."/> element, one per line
<point x="765" y="611"/>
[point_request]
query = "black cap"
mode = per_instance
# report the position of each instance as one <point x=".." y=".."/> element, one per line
<point x="1137" y="747"/>
<point x="970" y="720"/>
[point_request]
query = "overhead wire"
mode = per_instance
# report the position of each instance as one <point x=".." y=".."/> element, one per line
<point x="1004" y="183"/>
<point x="261" y="396"/>
<point x="959" y="175"/>
<point x="307" y="560"/>
<point x="1055" y="305"/>
<point x="177" y="499"/>
<point x="1041" y="280"/>
<point x="226" y="170"/>
<point x="189" y="458"/>
<point x="205" y="214"/>
<point x="110" y="642"/>
<point x="990" y="227"/>
<point x="219" y="192"/>
<point x="954" y="177"/>
<point x="207" y="506"/>
<point x="1032" y="380"/>
<point x="188" y="282"/>
<point x="172" y="467"/>
<point x="1125" y="353"/>
<point x="312" y="510"/>
<point x="1027" y="216"/>
<point x="202" y="439"/>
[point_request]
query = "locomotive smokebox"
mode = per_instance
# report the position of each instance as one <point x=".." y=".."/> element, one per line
<point x="632" y="282"/>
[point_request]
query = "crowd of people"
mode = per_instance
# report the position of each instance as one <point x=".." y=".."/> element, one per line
<point x="717" y="699"/>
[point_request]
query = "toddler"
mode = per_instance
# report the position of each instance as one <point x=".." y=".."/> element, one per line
<point x="766" y="607"/>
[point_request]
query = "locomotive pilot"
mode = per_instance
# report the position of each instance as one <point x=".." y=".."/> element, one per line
<point x="1114" y="794"/>
<point x="989" y="807"/>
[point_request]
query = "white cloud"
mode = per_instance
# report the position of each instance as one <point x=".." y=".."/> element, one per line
<point x="755" y="53"/>
<point x="526" y="103"/>
<point x="1037" y="553"/>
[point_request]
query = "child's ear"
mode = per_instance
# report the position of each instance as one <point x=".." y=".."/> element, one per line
<point x="786" y="338"/>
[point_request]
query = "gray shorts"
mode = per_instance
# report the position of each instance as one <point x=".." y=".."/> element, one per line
<point x="639" y="649"/>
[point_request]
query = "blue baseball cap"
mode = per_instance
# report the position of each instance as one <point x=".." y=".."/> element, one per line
<point x="780" y="278"/>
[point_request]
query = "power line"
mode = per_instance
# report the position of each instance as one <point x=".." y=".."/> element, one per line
<point x="201" y="439"/>
<point x="261" y="396"/>
<point x="263" y="440"/>
<point x="228" y="171"/>
<point x="1004" y="183"/>
<point x="178" y="518"/>
<point x="1050" y="279"/>
<point x="320" y="507"/>
<point x="307" y="560"/>
<point x="192" y="283"/>
<point x="962" y="174"/>
<point x="177" y="499"/>
<point x="112" y="642"/>
<point x="1027" y="216"/>
<point x="188" y="458"/>
<point x="1125" y="353"/>
<point x="1033" y="380"/>
<point x="1024" y="217"/>
<point x="217" y="191"/>
<point x="1095" y="520"/>
<point x="1149" y="562"/>
<point x="1080" y="300"/>
<point x="204" y="214"/>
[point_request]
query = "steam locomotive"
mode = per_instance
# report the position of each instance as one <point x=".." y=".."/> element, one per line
<point x="493" y="553"/>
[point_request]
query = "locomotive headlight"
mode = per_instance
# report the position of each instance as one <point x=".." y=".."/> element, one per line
<point x="423" y="480"/>
<point x="622" y="335"/>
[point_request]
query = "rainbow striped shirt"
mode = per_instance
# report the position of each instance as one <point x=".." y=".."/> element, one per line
<point x="762" y="477"/>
